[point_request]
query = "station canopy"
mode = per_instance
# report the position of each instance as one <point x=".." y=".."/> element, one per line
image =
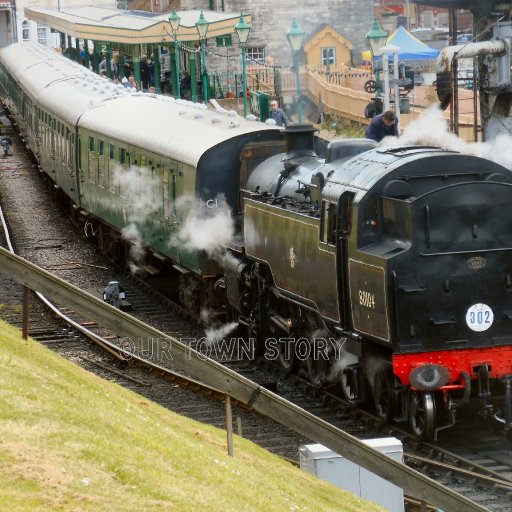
<point x="411" y="48"/>
<point x="132" y="27"/>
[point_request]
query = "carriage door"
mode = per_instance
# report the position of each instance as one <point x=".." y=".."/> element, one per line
<point x="53" y="143"/>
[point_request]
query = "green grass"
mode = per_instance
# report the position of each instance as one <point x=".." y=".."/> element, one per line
<point x="71" y="441"/>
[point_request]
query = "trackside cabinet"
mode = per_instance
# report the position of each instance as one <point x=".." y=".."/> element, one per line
<point x="335" y="469"/>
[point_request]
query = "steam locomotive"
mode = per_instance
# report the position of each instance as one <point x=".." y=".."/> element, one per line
<point x="386" y="270"/>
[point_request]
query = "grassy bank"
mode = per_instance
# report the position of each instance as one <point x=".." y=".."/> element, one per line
<point x="71" y="441"/>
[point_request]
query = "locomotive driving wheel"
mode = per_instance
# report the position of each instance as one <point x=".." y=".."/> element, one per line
<point x="348" y="379"/>
<point x="383" y="395"/>
<point x="286" y="356"/>
<point x="317" y="370"/>
<point x="422" y="415"/>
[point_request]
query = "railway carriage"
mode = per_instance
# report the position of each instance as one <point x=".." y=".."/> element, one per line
<point x="385" y="271"/>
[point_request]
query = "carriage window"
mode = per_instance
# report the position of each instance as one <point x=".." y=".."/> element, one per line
<point x="165" y="194"/>
<point x="111" y="151"/>
<point x="91" y="143"/>
<point x="329" y="223"/>
<point x="101" y="164"/>
<point x="122" y="156"/>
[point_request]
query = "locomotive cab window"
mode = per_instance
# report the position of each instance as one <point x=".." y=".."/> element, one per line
<point x="396" y="218"/>
<point x="369" y="227"/>
<point x="328" y="223"/>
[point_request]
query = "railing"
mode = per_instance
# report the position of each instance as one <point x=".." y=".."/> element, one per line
<point x="258" y="79"/>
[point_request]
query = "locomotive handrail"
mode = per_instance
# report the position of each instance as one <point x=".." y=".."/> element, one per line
<point x="470" y="251"/>
<point x="171" y="351"/>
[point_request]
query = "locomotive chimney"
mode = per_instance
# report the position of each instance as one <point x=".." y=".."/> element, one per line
<point x="300" y="140"/>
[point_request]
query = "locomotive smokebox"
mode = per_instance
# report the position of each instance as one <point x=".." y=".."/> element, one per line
<point x="300" y="140"/>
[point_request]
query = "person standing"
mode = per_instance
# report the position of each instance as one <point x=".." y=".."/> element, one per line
<point x="144" y="73"/>
<point x="278" y="114"/>
<point x="381" y="126"/>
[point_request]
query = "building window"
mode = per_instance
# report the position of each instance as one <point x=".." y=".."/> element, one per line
<point x="25" y="30"/>
<point x="328" y="56"/>
<point x="42" y="35"/>
<point x="255" y="54"/>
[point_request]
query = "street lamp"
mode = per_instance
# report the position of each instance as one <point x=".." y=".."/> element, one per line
<point x="295" y="36"/>
<point x="242" y="30"/>
<point x="376" y="38"/>
<point x="174" y="20"/>
<point x="202" y="29"/>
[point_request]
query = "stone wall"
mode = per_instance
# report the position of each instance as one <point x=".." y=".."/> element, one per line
<point x="272" y="18"/>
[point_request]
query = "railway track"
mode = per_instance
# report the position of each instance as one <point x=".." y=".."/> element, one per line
<point x="489" y="484"/>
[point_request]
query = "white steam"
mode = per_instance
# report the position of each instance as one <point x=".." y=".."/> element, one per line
<point x="215" y="334"/>
<point x="431" y="129"/>
<point x="141" y="189"/>
<point x="207" y="226"/>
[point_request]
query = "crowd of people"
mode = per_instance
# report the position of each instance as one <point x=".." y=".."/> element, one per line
<point x="121" y="70"/>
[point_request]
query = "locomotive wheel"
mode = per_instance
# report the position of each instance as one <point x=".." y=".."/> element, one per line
<point x="348" y="386"/>
<point x="286" y="356"/>
<point x="370" y="86"/>
<point x="422" y="415"/>
<point x="317" y="369"/>
<point x="383" y="396"/>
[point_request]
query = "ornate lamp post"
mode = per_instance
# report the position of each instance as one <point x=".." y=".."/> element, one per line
<point x="242" y="30"/>
<point x="202" y="29"/>
<point x="174" y="20"/>
<point x="295" y="36"/>
<point x="376" y="38"/>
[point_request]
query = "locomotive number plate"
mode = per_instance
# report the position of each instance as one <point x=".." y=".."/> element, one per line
<point x="479" y="317"/>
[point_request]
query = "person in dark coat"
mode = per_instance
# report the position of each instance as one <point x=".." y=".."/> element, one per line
<point x="144" y="73"/>
<point x="382" y="126"/>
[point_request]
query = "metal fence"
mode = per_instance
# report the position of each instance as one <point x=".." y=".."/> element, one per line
<point x="258" y="79"/>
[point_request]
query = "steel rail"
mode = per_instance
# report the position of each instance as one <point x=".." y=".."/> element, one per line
<point x="169" y="350"/>
<point x="489" y="480"/>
